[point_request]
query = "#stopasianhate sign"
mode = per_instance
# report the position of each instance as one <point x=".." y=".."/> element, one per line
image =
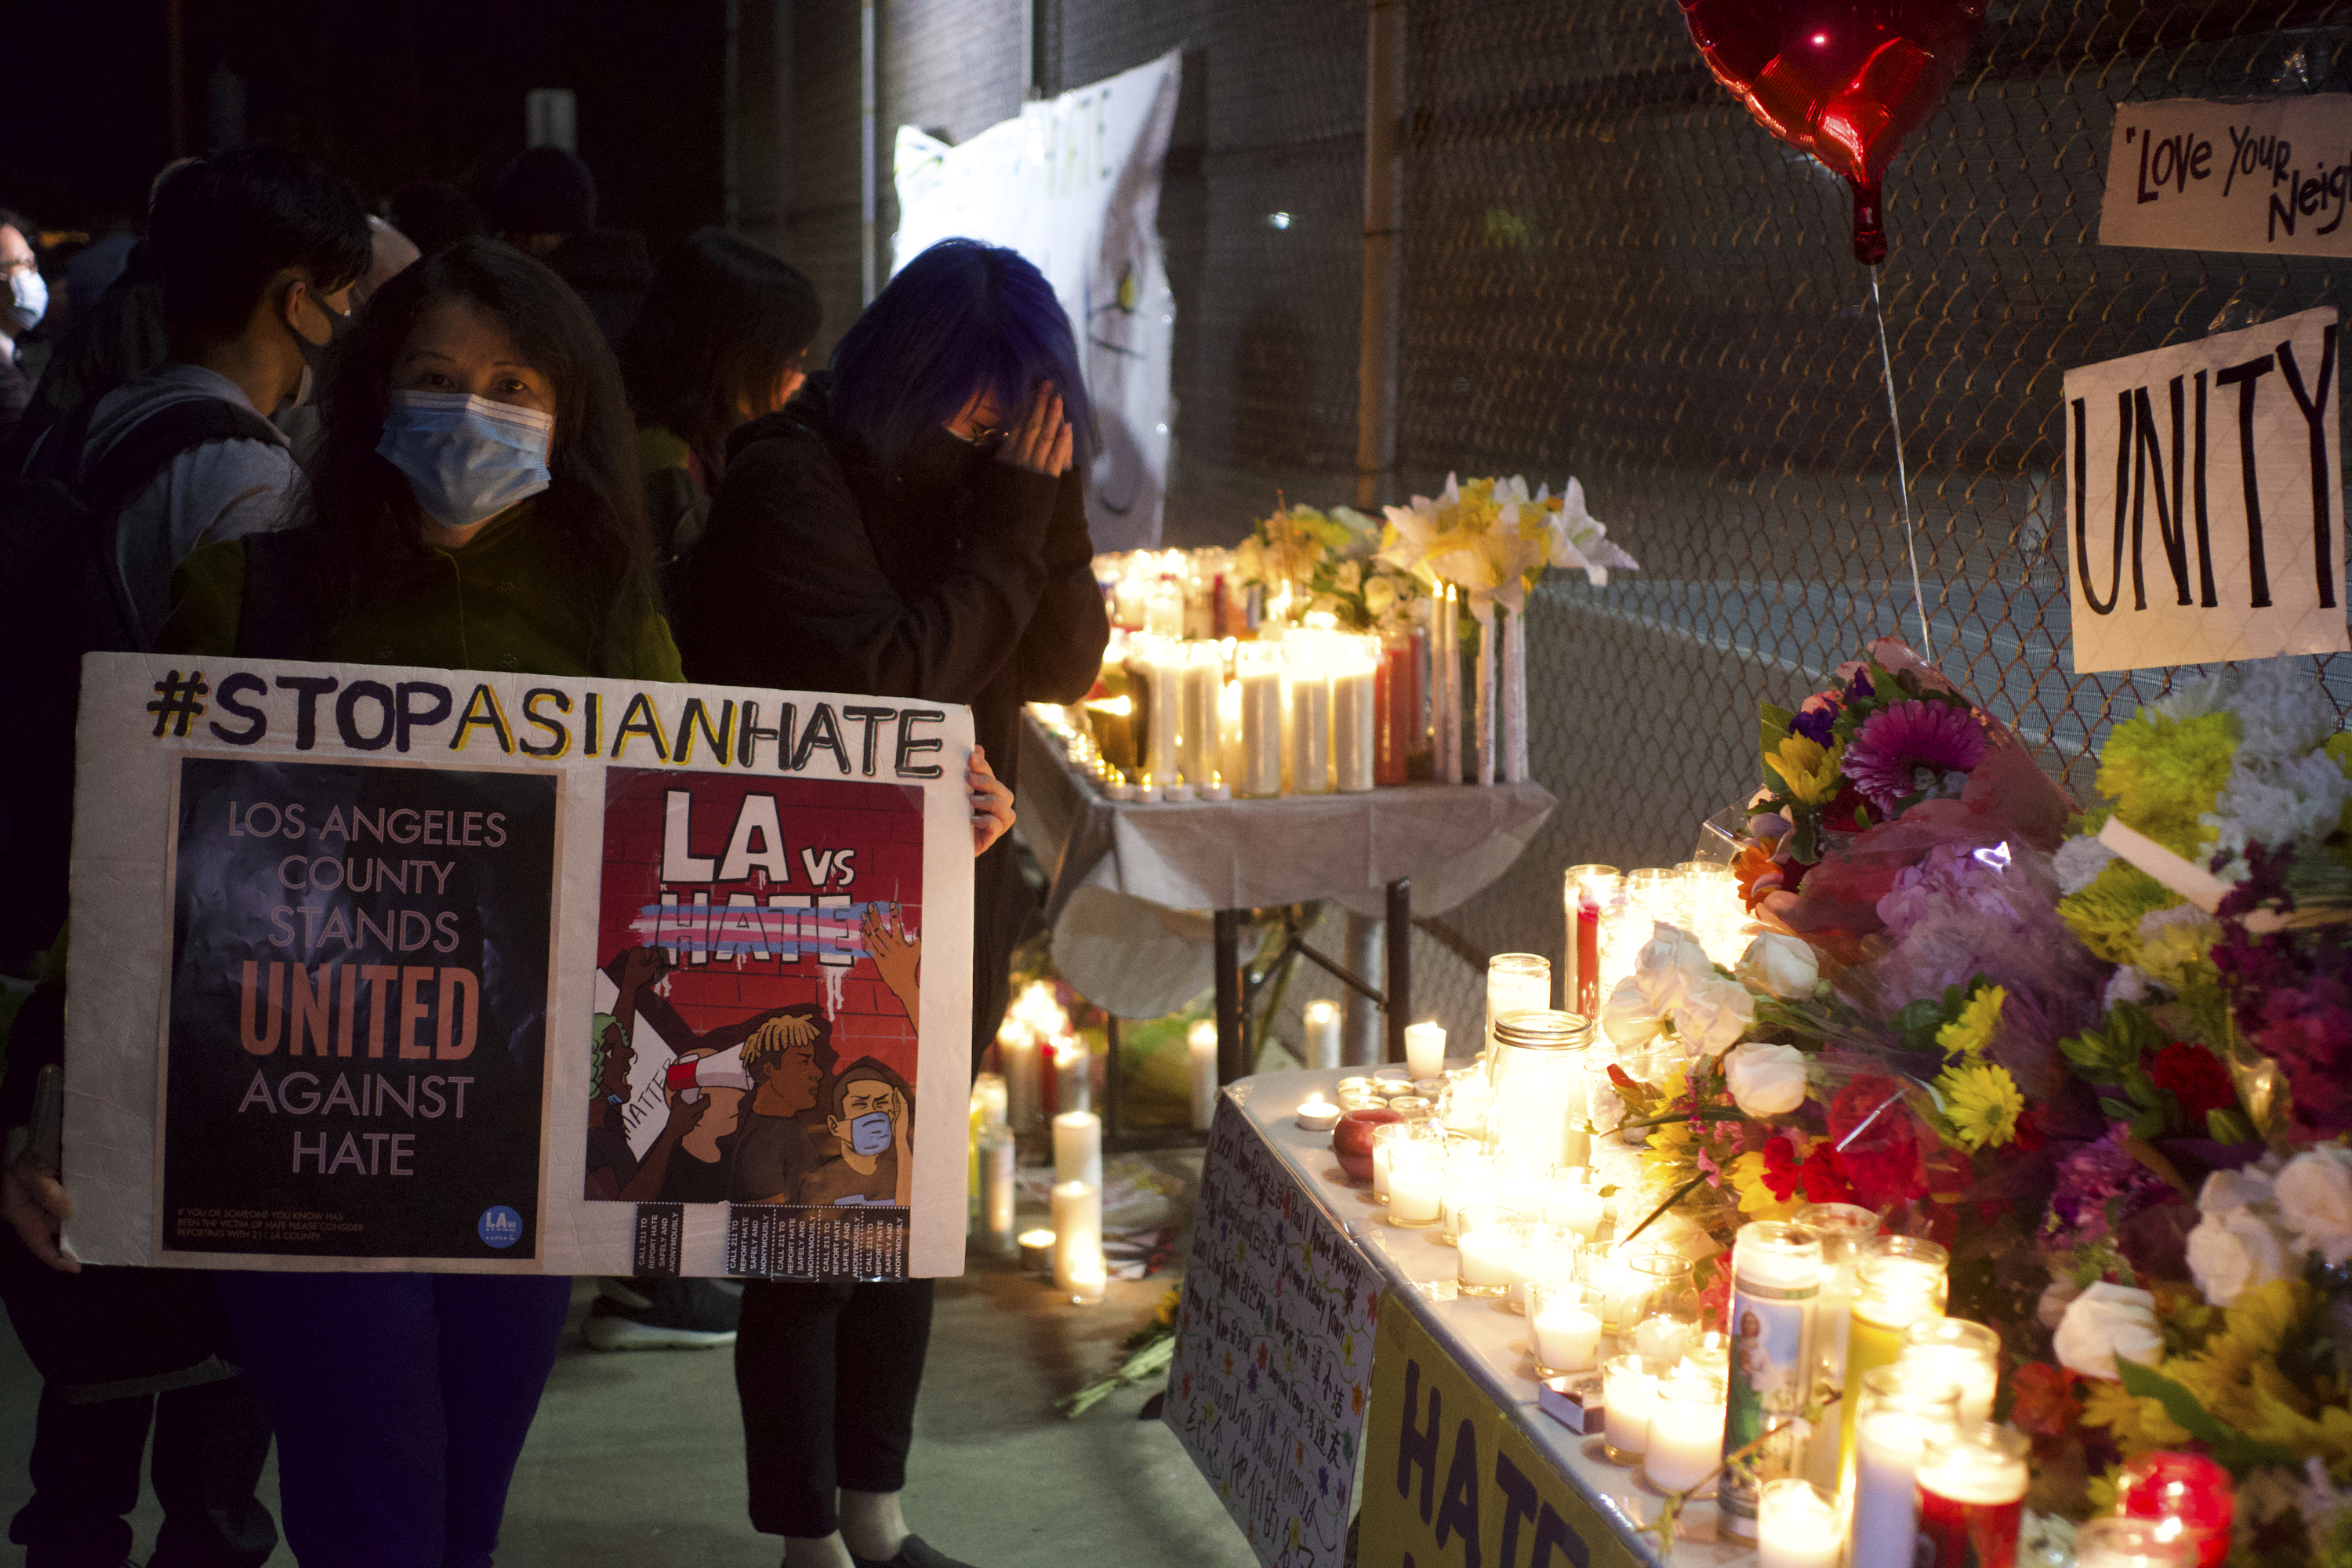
<point x="2205" y="499"/>
<point x="422" y="969"/>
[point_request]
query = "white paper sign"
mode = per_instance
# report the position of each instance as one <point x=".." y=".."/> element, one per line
<point x="2271" y="177"/>
<point x="379" y="968"/>
<point x="1074" y="185"/>
<point x="2205" y="499"/>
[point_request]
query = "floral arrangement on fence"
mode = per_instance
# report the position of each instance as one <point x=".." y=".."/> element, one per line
<point x="2106" y="1059"/>
<point x="1327" y="561"/>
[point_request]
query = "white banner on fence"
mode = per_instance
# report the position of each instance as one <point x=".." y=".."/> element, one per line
<point x="2272" y="176"/>
<point x="467" y="971"/>
<point x="2205" y="499"/>
<point x="1074" y="185"/>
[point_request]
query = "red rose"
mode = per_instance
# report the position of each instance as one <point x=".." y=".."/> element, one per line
<point x="2197" y="1079"/>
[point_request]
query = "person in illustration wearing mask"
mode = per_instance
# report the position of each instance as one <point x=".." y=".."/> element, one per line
<point x="912" y="525"/>
<point x="872" y="1127"/>
<point x="26" y="302"/>
<point x="476" y="505"/>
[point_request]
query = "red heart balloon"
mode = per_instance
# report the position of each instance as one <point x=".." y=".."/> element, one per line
<point x="1845" y="80"/>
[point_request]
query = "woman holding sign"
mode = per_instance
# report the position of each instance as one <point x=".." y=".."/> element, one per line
<point x="912" y="525"/>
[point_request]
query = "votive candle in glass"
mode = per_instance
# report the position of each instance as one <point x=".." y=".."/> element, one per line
<point x="1575" y="1202"/>
<point x="2131" y="1543"/>
<point x="1515" y="983"/>
<point x="1564" y="1326"/>
<point x="1469" y="1179"/>
<point x="1972" y="1481"/>
<point x="1416" y="1181"/>
<point x="1797" y="1526"/>
<point x="1895" y="1416"/>
<point x="1957" y="1354"/>
<point x="1258" y="675"/>
<point x="1665" y="1336"/>
<point x="1424" y="1049"/>
<point x="1897" y="1281"/>
<point x="1585" y="892"/>
<point x="1629" y="1391"/>
<point x="1548" y="1253"/>
<point x="1490" y="1240"/>
<point x="1687" y="1432"/>
<point x="1385" y="1138"/>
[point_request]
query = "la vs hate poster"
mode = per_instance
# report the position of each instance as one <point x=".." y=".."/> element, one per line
<point x="454" y="971"/>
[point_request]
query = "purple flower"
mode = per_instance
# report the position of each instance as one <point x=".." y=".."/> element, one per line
<point x="2100" y="1186"/>
<point x="1903" y="741"/>
<point x="1815" y="724"/>
<point x="1859" y="690"/>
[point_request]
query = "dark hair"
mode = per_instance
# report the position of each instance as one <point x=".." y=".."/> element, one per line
<point x="863" y="1068"/>
<point x="960" y="317"/>
<point x="723" y="320"/>
<point x="221" y="227"/>
<point x="594" y="499"/>
<point x="544" y="190"/>
<point x="11" y="218"/>
<point x="433" y="215"/>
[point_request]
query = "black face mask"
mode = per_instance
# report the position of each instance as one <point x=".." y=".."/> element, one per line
<point x="314" y="356"/>
<point x="940" y="459"/>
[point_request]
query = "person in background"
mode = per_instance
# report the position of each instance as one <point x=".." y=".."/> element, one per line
<point x="433" y="215"/>
<point x="722" y="340"/>
<point x="259" y="249"/>
<point x="544" y="202"/>
<point x="912" y="525"/>
<point x="27" y="301"/>
<point x="91" y="270"/>
<point x="390" y="253"/>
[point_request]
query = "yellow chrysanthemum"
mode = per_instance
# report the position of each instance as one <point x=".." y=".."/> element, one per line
<point x="1982" y="1104"/>
<point x="2138" y="1423"/>
<point x="1972" y="1032"/>
<point x="1756" y="1199"/>
<point x="1808" y="771"/>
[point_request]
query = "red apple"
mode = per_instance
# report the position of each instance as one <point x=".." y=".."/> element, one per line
<point x="1351" y="1140"/>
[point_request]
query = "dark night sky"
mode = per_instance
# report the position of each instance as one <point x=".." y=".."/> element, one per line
<point x="385" y="91"/>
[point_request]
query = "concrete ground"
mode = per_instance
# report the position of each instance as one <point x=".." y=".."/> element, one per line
<point x="997" y="1478"/>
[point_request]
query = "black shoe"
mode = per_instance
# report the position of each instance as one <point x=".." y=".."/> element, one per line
<point x="677" y="1314"/>
<point x="913" y="1553"/>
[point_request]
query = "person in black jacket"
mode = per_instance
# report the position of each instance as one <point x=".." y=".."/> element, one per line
<point x="911" y="525"/>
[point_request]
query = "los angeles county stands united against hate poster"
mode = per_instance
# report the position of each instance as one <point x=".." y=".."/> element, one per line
<point x="417" y="968"/>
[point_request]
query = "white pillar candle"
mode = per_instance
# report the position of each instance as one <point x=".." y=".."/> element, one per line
<point x="1078" y="1240"/>
<point x="1229" y="732"/>
<point x="1201" y="735"/>
<point x="1798" y="1527"/>
<point x="1515" y="702"/>
<point x="1354" y="717"/>
<point x="1568" y="1339"/>
<point x="1259" y="774"/>
<point x="1202" y="1041"/>
<point x="1310" y="720"/>
<point x="1322" y="1021"/>
<point x="1077" y="1148"/>
<point x="990" y="1098"/>
<point x="1162" y="667"/>
<point x="1072" y="1074"/>
<point x="1686" y="1432"/>
<point x="1629" y="1393"/>
<point x="997" y="1190"/>
<point x="1017" y="1045"/>
<point x="1894" y="1419"/>
<point x="1776" y="1278"/>
<point x="1486" y="715"/>
<point x="1424" y="1049"/>
<point x="1416" y="1184"/>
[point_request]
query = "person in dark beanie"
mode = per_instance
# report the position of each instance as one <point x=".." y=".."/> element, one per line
<point x="432" y="214"/>
<point x="544" y="202"/>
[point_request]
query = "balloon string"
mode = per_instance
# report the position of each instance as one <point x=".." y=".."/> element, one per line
<point x="1902" y="476"/>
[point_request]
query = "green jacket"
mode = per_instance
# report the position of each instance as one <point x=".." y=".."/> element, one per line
<point x="482" y="608"/>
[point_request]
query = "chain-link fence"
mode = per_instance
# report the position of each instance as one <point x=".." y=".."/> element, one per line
<point x="1611" y="271"/>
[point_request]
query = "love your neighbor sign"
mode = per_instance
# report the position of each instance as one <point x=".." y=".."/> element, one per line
<point x="2204" y="499"/>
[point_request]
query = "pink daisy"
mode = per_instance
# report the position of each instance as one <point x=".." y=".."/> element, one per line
<point x="1900" y="741"/>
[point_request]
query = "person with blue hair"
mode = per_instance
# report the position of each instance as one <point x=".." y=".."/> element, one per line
<point x="913" y="524"/>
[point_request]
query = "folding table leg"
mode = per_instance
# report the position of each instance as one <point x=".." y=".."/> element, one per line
<point x="1232" y="1028"/>
<point x="1400" y="965"/>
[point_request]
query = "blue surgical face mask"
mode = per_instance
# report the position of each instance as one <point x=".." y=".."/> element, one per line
<point x="29" y="298"/>
<point x="870" y="1134"/>
<point x="466" y="459"/>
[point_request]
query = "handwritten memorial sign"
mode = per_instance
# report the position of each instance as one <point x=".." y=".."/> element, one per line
<point x="2204" y="498"/>
<point x="2272" y="176"/>
<point x="424" y="969"/>
<point x="1274" y="1352"/>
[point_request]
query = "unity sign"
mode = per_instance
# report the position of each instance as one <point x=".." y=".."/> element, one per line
<point x="419" y="969"/>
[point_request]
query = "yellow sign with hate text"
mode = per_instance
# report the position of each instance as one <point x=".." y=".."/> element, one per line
<point x="1450" y="1479"/>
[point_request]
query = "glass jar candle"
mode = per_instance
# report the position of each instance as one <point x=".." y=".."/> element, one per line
<point x="1895" y="1416"/>
<point x="1515" y="983"/>
<point x="1416" y="1183"/>
<point x="1258" y="673"/>
<point x="1385" y="1138"/>
<point x="1307" y="675"/>
<point x="1547" y="1253"/>
<point x="1355" y="713"/>
<point x="1402" y="713"/>
<point x="1542" y="1093"/>
<point x="1798" y="1525"/>
<point x="1972" y="1481"/>
<point x="1897" y="1281"/>
<point x="1564" y="1327"/>
<point x="2185" y="1494"/>
<point x="1585" y="892"/>
<point x="1842" y="1228"/>
<point x="1490" y="1242"/>
<point x="1962" y="1356"/>
<point x="2131" y="1543"/>
<point x="1776" y="1280"/>
<point x="1574" y="1201"/>
<point x="1687" y="1431"/>
<point x="1469" y="1180"/>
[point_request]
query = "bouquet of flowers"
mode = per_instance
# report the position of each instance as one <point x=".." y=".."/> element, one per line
<point x="1326" y="561"/>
